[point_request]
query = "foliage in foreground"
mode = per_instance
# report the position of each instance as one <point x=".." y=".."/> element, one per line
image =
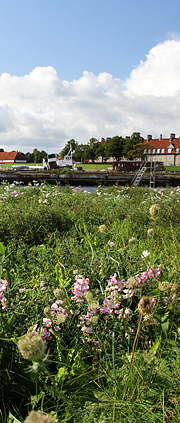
<point x="89" y="297"/>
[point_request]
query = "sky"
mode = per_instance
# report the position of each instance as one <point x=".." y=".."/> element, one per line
<point x="82" y="69"/>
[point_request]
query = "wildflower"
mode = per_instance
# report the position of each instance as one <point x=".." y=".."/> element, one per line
<point x="38" y="417"/>
<point x="81" y="286"/>
<point x="145" y="254"/>
<point x="32" y="347"/>
<point x="47" y="322"/>
<point x="111" y="243"/>
<point x="150" y="232"/>
<point x="21" y="290"/>
<point x="102" y="228"/>
<point x="86" y="330"/>
<point x="154" y="209"/>
<point x="146" y="305"/>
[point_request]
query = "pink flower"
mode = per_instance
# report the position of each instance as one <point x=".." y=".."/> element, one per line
<point x="111" y="243"/>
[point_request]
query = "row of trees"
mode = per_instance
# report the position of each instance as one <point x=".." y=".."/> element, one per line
<point x="116" y="147"/>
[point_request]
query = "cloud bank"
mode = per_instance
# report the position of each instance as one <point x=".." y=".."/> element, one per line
<point x="41" y="110"/>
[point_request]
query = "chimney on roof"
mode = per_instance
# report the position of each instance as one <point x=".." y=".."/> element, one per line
<point x="160" y="137"/>
<point x="149" y="138"/>
<point x="172" y="137"/>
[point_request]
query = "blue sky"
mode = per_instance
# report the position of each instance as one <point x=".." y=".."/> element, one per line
<point x="74" y="36"/>
<point x="85" y="49"/>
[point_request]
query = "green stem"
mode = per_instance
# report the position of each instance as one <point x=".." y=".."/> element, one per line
<point x="60" y="394"/>
<point x="132" y="355"/>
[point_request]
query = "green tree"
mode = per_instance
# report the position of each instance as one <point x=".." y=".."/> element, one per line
<point x="70" y="144"/>
<point x="114" y="147"/>
<point x="92" y="149"/>
<point x="134" y="146"/>
<point x="101" y="149"/>
<point x="80" y="153"/>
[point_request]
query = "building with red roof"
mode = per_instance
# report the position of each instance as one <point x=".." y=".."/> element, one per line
<point x="165" y="150"/>
<point x="12" y="157"/>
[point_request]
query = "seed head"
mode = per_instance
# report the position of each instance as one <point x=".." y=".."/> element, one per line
<point x="59" y="293"/>
<point x="146" y="305"/>
<point x="89" y="296"/>
<point x="38" y="417"/>
<point x="47" y="311"/>
<point x="174" y="288"/>
<point x="102" y="228"/>
<point x="154" y="209"/>
<point x="32" y="347"/>
<point x="150" y="232"/>
<point x="164" y="286"/>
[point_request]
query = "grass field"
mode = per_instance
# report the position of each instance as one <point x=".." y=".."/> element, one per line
<point x="95" y="166"/>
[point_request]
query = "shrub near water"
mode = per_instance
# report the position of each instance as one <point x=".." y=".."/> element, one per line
<point x="99" y="308"/>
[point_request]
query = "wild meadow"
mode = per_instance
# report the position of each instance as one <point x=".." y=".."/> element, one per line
<point x="89" y="305"/>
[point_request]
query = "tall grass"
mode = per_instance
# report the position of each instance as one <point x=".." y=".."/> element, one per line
<point x="89" y="295"/>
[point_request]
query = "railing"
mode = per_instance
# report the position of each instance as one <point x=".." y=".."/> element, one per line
<point x="139" y="174"/>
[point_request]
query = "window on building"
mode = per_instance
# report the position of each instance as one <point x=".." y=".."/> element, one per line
<point x="169" y="150"/>
<point x="158" y="151"/>
<point x="153" y="151"/>
<point x="162" y="151"/>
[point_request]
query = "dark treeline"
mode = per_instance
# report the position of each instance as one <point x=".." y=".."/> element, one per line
<point x="115" y="147"/>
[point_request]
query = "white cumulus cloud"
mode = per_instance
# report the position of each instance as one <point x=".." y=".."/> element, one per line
<point x="41" y="110"/>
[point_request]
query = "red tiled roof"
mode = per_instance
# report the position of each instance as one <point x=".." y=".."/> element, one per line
<point x="8" y="156"/>
<point x="163" y="143"/>
<point x="12" y="156"/>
